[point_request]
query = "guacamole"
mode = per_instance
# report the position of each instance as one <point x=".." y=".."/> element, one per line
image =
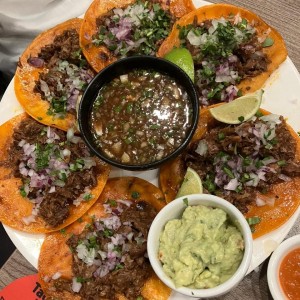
<point x="202" y="249"/>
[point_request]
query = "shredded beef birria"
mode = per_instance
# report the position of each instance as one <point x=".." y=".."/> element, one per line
<point x="238" y="162"/>
<point x="224" y="51"/>
<point x="56" y="171"/>
<point x="110" y="255"/>
<point x="68" y="73"/>
<point x="139" y="28"/>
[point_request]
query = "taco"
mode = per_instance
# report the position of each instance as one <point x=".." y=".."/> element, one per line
<point x="254" y="165"/>
<point x="52" y="75"/>
<point x="234" y="50"/>
<point x="103" y="255"/>
<point x="48" y="178"/>
<point x="116" y="28"/>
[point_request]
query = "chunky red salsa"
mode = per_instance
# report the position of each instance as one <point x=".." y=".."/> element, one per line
<point x="140" y="117"/>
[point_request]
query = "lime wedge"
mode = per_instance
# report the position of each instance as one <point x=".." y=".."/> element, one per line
<point x="191" y="184"/>
<point x="238" y="110"/>
<point x="182" y="58"/>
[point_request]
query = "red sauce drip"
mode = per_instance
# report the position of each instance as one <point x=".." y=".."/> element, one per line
<point x="289" y="275"/>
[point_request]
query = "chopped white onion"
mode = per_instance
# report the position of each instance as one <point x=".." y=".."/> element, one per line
<point x="56" y="275"/>
<point x="232" y="185"/>
<point x="124" y="78"/>
<point x="52" y="189"/>
<point x="29" y="219"/>
<point x="126" y="202"/>
<point x="284" y="177"/>
<point x="260" y="202"/>
<point x="202" y="148"/>
<point x="22" y="143"/>
<point x="76" y="286"/>
<point x="271" y="118"/>
<point x="194" y="39"/>
<point x="66" y="152"/>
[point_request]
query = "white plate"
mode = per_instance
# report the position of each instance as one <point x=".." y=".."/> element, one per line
<point x="282" y="96"/>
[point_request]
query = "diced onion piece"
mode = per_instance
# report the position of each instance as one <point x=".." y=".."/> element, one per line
<point x="125" y="158"/>
<point x="71" y="137"/>
<point x="76" y="286"/>
<point x="124" y="78"/>
<point x="29" y="219"/>
<point x="22" y="143"/>
<point x="260" y="202"/>
<point x="271" y="200"/>
<point x="70" y="133"/>
<point x="194" y="39"/>
<point x="202" y="148"/>
<point x="52" y="189"/>
<point x="271" y="118"/>
<point x="66" y="152"/>
<point x="284" y="177"/>
<point x="126" y="202"/>
<point x="56" y="275"/>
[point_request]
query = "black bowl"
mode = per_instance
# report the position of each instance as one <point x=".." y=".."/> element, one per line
<point x="121" y="67"/>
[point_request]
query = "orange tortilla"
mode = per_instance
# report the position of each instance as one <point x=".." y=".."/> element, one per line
<point x="99" y="8"/>
<point x="272" y="217"/>
<point x="13" y="207"/>
<point x="276" y="53"/>
<point x="55" y="255"/>
<point x="26" y="75"/>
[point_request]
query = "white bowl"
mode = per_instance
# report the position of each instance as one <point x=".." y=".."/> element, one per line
<point x="274" y="265"/>
<point x="174" y="210"/>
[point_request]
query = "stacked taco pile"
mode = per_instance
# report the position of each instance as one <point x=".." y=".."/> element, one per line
<point x="95" y="247"/>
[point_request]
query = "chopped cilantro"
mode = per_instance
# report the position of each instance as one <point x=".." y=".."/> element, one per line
<point x="108" y="232"/>
<point x="185" y="201"/>
<point x="92" y="242"/>
<point x="253" y="220"/>
<point x="209" y="184"/>
<point x="81" y="279"/>
<point x="62" y="175"/>
<point x="228" y="172"/>
<point x="111" y="202"/>
<point x="118" y="108"/>
<point x="129" y="108"/>
<point x="150" y="31"/>
<point x="119" y="266"/>
<point x="259" y="114"/>
<point x="58" y="106"/>
<point x="221" y="136"/>
<point x="63" y="231"/>
<point x="43" y="155"/>
<point x="118" y="249"/>
<point x="22" y="191"/>
<point x="268" y="42"/>
<point x="154" y="126"/>
<point x="87" y="197"/>
<point x="241" y="118"/>
<point x="281" y="163"/>
<point x="129" y="139"/>
<point x="135" y="195"/>
<point x="88" y="226"/>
